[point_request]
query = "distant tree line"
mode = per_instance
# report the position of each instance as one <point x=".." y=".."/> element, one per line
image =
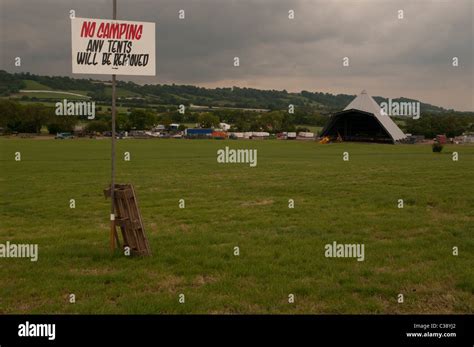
<point x="431" y="125"/>
<point x="10" y="83"/>
<point x="32" y="117"/>
<point x="15" y="117"/>
<point x="243" y="120"/>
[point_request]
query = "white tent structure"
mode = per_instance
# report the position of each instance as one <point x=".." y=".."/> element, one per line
<point x="363" y="120"/>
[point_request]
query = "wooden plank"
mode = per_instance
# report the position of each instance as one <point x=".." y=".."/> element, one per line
<point x="129" y="220"/>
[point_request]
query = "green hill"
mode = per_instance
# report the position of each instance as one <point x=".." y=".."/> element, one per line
<point x="132" y="94"/>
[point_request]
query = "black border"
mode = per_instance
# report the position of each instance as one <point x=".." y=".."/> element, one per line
<point x="310" y="330"/>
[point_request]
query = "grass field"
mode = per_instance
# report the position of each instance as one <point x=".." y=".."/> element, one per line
<point x="407" y="250"/>
<point x="53" y="95"/>
<point x="31" y="84"/>
<point x="121" y="93"/>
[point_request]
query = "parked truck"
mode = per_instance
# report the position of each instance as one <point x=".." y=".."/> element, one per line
<point x="198" y="133"/>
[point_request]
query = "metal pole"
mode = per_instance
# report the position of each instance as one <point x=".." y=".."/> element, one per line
<point x="112" y="183"/>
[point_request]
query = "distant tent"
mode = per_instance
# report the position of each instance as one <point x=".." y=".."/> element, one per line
<point x="363" y="120"/>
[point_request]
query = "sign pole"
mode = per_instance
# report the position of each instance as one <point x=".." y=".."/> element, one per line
<point x="112" y="183"/>
<point x="89" y="56"/>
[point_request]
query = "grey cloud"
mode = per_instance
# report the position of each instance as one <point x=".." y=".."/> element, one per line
<point x="411" y="57"/>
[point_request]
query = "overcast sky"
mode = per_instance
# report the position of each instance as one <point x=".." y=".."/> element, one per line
<point x="388" y="57"/>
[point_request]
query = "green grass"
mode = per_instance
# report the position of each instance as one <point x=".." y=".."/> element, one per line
<point x="49" y="95"/>
<point x="121" y="93"/>
<point x="35" y="85"/>
<point x="407" y="250"/>
<point x="31" y="102"/>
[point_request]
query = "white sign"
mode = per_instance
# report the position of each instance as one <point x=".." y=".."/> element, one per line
<point x="102" y="46"/>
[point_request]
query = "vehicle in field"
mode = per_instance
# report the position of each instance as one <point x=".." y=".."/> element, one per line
<point x="198" y="133"/>
<point x="64" y="136"/>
